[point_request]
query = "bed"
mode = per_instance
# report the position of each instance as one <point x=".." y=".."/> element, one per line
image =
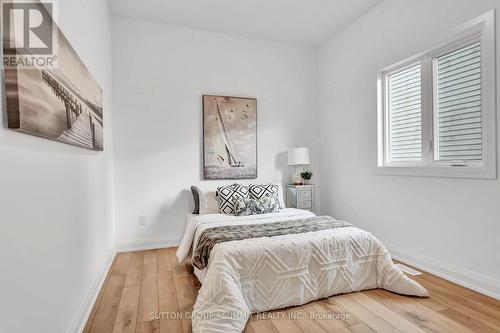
<point x="252" y="275"/>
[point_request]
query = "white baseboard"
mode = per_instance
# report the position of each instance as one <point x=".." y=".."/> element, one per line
<point x="464" y="277"/>
<point x="82" y="314"/>
<point x="147" y="243"/>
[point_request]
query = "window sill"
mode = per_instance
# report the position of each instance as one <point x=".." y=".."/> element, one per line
<point x="472" y="172"/>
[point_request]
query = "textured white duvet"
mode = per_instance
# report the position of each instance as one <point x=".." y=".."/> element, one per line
<point x="261" y="274"/>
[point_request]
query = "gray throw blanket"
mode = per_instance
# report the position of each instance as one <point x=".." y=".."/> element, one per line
<point x="212" y="236"/>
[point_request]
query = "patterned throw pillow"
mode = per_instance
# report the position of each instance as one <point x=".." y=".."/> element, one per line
<point x="261" y="191"/>
<point x="249" y="206"/>
<point x="227" y="195"/>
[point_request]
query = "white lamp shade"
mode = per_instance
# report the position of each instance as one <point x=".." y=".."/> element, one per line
<point x="298" y="156"/>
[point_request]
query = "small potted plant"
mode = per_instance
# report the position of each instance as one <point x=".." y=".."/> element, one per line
<point x="306" y="176"/>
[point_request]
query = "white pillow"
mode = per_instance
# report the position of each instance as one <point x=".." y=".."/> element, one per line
<point x="280" y="195"/>
<point x="209" y="204"/>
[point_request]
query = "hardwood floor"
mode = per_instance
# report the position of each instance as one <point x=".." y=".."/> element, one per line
<point x="143" y="282"/>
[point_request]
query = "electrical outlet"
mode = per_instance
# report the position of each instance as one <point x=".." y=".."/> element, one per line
<point x="142" y="220"/>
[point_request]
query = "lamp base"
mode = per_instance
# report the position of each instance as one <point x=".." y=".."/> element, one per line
<point x="296" y="178"/>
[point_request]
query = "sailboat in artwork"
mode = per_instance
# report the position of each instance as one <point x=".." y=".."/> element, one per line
<point x="230" y="154"/>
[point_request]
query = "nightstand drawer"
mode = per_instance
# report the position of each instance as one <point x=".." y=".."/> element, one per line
<point x="305" y="194"/>
<point x="307" y="204"/>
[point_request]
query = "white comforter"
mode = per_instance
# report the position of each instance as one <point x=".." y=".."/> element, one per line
<point x="261" y="274"/>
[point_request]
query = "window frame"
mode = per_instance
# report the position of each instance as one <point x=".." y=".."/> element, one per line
<point x="479" y="29"/>
<point x="474" y="38"/>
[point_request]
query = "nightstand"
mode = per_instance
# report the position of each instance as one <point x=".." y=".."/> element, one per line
<point x="301" y="196"/>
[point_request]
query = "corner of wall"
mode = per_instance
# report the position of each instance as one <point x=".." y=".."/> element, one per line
<point x="84" y="310"/>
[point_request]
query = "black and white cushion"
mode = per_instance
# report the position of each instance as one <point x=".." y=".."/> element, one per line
<point x="261" y="191"/>
<point x="249" y="206"/>
<point x="230" y="194"/>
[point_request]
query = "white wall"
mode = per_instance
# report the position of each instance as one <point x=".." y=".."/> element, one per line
<point x="448" y="225"/>
<point x="56" y="202"/>
<point x="160" y="73"/>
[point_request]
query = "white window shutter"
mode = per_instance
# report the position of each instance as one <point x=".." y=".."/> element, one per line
<point x="405" y="115"/>
<point x="459" y="123"/>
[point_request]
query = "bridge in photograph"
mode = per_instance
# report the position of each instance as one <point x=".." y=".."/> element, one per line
<point x="80" y="121"/>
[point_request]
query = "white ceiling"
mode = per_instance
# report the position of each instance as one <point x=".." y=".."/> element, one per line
<point x="300" y="21"/>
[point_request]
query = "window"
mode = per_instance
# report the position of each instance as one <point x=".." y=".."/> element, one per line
<point x="437" y="109"/>
<point x="458" y="104"/>
<point x="405" y="115"/>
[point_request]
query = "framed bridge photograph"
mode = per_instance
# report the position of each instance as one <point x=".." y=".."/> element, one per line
<point x="59" y="101"/>
<point x="229" y="137"/>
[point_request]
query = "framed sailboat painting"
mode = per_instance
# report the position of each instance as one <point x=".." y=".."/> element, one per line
<point x="229" y="137"/>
